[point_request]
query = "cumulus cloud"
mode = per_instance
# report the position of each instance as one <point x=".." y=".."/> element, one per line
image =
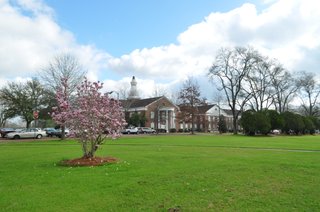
<point x="30" y="38"/>
<point x="287" y="30"/>
<point x="146" y="87"/>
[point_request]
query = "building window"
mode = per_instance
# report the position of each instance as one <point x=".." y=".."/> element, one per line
<point x="152" y="115"/>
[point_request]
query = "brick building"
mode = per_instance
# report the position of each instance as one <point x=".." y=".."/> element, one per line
<point x="207" y="118"/>
<point x="160" y="112"/>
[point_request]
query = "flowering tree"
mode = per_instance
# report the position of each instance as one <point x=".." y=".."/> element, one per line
<point x="92" y="117"/>
<point x="60" y="113"/>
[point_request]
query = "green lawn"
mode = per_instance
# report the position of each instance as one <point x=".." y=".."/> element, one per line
<point x="155" y="173"/>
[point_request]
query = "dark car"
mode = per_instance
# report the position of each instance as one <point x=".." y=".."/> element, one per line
<point x="5" y="131"/>
<point x="58" y="133"/>
<point x="162" y="130"/>
<point x="50" y="131"/>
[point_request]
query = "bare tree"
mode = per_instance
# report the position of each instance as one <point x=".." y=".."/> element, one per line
<point x="284" y="87"/>
<point x="260" y="84"/>
<point x="190" y="98"/>
<point x="309" y="93"/>
<point x="64" y="68"/>
<point x="123" y="90"/>
<point x="173" y="96"/>
<point x="159" y="91"/>
<point x="232" y="67"/>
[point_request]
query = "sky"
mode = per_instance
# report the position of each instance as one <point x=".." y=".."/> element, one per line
<point x="160" y="42"/>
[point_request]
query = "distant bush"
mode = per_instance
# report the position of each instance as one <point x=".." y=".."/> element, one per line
<point x="161" y="130"/>
<point x="293" y="123"/>
<point x="173" y="130"/>
<point x="263" y="122"/>
<point x="222" y="125"/>
<point x="187" y="130"/>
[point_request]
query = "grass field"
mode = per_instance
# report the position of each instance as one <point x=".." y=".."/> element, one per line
<point x="156" y="173"/>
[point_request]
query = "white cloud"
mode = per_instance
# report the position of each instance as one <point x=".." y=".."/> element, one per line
<point x="36" y="6"/>
<point x="30" y="38"/>
<point x="287" y="30"/>
<point x="146" y="87"/>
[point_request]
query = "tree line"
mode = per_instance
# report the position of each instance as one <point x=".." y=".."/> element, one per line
<point x="247" y="79"/>
<point x="22" y="99"/>
<point x="251" y="81"/>
<point x="255" y="83"/>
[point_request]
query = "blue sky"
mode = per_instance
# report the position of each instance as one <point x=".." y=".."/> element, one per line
<point x="160" y="42"/>
<point x="120" y="26"/>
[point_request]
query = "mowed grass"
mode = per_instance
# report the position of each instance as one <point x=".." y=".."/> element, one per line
<point x="156" y="173"/>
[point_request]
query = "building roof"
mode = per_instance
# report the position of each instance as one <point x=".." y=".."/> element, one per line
<point x="204" y="108"/>
<point x="228" y="112"/>
<point x="136" y="103"/>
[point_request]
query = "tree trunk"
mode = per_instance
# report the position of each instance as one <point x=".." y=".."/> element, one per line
<point x="235" y="126"/>
<point x="88" y="152"/>
<point x="63" y="130"/>
<point x="28" y="124"/>
<point x="88" y="155"/>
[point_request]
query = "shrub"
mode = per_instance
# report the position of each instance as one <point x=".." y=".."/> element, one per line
<point x="276" y="120"/>
<point x="222" y="125"/>
<point x="262" y="122"/>
<point x="173" y="130"/>
<point x="292" y="122"/>
<point x="248" y="122"/>
<point x="308" y="125"/>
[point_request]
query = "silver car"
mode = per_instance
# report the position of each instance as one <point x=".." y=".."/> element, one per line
<point x="27" y="133"/>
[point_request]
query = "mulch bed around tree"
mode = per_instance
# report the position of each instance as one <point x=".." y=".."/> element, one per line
<point x="95" y="161"/>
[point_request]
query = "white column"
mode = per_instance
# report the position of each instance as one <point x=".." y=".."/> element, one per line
<point x="173" y="119"/>
<point x="159" y="126"/>
<point x="167" y="121"/>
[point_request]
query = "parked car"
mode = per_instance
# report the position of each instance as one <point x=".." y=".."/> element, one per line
<point x="27" y="133"/>
<point x="162" y="130"/>
<point x="5" y="131"/>
<point x="131" y="130"/>
<point x="146" y="130"/>
<point x="276" y="132"/>
<point x="58" y="133"/>
<point x="50" y="131"/>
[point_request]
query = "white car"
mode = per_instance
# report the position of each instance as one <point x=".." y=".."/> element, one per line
<point x="132" y="130"/>
<point x="276" y="132"/>
<point x="146" y="130"/>
<point x="28" y="133"/>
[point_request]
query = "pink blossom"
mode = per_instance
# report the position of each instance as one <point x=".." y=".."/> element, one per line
<point x="92" y="118"/>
